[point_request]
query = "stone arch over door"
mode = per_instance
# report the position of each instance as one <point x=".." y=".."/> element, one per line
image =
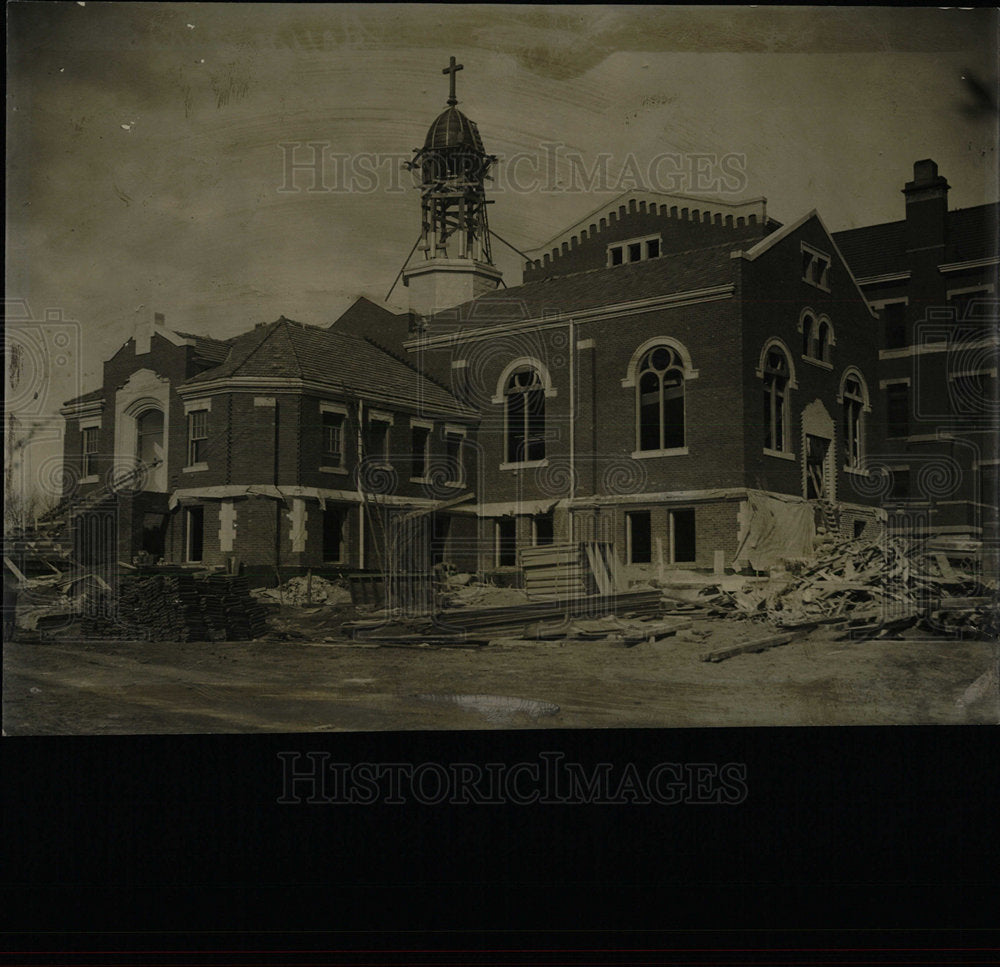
<point x="819" y="453"/>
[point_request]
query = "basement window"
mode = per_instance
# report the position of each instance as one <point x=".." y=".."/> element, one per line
<point x="638" y="537"/>
<point x="333" y="535"/>
<point x="195" y="534"/>
<point x="682" y="540"/>
<point x="506" y="542"/>
<point x="543" y="529"/>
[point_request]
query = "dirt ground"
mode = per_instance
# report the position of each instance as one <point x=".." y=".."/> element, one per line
<point x="326" y="682"/>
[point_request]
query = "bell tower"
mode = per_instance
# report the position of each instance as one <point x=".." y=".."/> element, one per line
<point x="456" y="264"/>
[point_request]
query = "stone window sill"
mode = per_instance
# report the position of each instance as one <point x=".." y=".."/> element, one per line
<point x="333" y="470"/>
<point x="524" y="465"/>
<point x="780" y="454"/>
<point x="820" y="363"/>
<point x="93" y="478"/>
<point x="195" y="468"/>
<point x="670" y="452"/>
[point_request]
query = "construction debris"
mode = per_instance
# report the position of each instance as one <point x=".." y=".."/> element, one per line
<point x="306" y="589"/>
<point x="891" y="583"/>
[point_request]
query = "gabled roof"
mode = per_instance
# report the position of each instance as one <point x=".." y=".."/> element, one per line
<point x="595" y="288"/>
<point x="874" y="250"/>
<point x="347" y="363"/>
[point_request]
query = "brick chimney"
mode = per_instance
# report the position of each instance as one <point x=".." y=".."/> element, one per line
<point x="926" y="207"/>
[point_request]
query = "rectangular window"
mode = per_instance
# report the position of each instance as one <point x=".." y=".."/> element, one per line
<point x="420" y="438"/>
<point x="900" y="483"/>
<point x="440" y="525"/>
<point x="639" y="538"/>
<point x="653" y="248"/>
<point x="333" y="535"/>
<point x="90" y="438"/>
<point x="894" y="319"/>
<point x="197" y="436"/>
<point x="635" y="252"/>
<point x="506" y="542"/>
<point x="682" y="542"/>
<point x="617" y="255"/>
<point x="969" y="308"/>
<point x="453" y="455"/>
<point x="333" y="439"/>
<point x="897" y="409"/>
<point x="195" y="534"/>
<point x="378" y="441"/>
<point x="543" y="528"/>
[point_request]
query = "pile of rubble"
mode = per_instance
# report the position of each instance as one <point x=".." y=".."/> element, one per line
<point x="308" y="589"/>
<point x="873" y="586"/>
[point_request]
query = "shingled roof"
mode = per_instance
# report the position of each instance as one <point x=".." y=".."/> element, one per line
<point x="211" y="350"/>
<point x="971" y="233"/>
<point x="669" y="275"/>
<point x="346" y="362"/>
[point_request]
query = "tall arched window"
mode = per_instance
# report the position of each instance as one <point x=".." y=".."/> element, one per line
<point x="660" y="400"/>
<point x="524" y="412"/>
<point x="149" y="436"/>
<point x="776" y="372"/>
<point x="817" y="337"/>
<point x="854" y="408"/>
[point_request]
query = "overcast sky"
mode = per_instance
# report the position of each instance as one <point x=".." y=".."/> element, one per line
<point x="144" y="158"/>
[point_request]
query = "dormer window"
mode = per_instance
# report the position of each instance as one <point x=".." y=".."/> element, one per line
<point x="815" y="267"/>
<point x="634" y="250"/>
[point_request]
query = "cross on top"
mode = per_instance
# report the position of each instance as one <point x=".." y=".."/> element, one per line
<point x="452" y="69"/>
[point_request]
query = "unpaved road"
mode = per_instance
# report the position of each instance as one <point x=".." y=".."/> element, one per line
<point x="78" y="687"/>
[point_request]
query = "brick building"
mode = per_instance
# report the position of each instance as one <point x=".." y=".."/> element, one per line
<point x="933" y="276"/>
<point x="681" y="375"/>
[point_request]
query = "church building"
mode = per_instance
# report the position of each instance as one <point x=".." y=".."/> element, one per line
<point x="681" y="375"/>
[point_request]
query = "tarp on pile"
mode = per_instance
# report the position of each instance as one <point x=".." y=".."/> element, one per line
<point x="775" y="527"/>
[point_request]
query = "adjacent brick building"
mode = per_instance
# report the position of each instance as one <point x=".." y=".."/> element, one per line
<point x="933" y="276"/>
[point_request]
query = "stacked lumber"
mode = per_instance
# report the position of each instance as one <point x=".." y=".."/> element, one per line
<point x="175" y="607"/>
<point x="559" y="571"/>
<point x="876" y="586"/>
<point x="470" y="621"/>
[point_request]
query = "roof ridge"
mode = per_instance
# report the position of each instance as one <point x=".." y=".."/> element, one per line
<point x="295" y="352"/>
<point x="411" y="366"/>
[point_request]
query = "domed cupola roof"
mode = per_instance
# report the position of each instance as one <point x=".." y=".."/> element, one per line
<point x="452" y="129"/>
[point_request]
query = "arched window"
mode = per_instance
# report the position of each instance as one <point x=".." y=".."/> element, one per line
<point x="817" y="337"/>
<point x="808" y="324"/>
<point x="854" y="396"/>
<point x="660" y="400"/>
<point x="776" y="370"/>
<point x="822" y="341"/>
<point x="524" y="415"/>
<point x="149" y="436"/>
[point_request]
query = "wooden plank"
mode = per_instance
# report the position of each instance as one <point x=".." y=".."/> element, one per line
<point x="599" y="569"/>
<point x="747" y="647"/>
